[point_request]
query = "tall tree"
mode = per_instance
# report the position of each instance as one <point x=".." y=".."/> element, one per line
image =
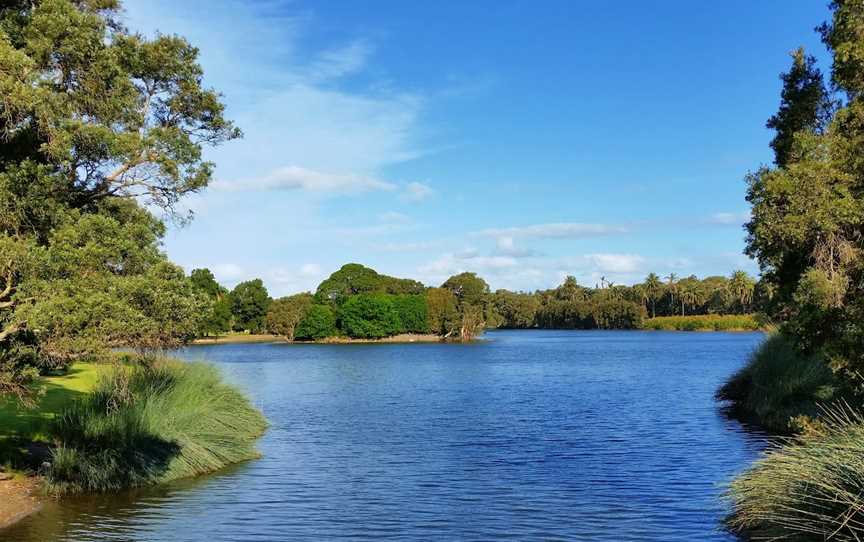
<point x="249" y="304"/>
<point x="804" y="105"/>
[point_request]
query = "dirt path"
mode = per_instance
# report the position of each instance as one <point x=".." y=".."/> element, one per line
<point x="18" y="499"/>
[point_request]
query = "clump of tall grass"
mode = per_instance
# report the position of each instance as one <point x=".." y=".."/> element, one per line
<point x="811" y="488"/>
<point x="779" y="387"/>
<point x="704" y="322"/>
<point x="152" y="423"/>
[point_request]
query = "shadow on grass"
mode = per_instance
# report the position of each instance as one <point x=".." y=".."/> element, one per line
<point x="25" y="432"/>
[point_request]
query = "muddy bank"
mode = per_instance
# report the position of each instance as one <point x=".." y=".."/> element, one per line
<point x="19" y="497"/>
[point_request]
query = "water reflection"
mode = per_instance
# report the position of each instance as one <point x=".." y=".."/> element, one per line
<point x="530" y="435"/>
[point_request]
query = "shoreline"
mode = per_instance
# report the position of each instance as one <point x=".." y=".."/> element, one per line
<point x="403" y="338"/>
<point x="20" y="499"/>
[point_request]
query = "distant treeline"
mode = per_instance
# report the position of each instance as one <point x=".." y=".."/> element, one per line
<point x="358" y="302"/>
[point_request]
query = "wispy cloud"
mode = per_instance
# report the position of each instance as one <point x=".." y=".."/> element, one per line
<point x="561" y="230"/>
<point x="415" y="192"/>
<point x="729" y="219"/>
<point x="616" y="263"/>
<point x="299" y="178"/>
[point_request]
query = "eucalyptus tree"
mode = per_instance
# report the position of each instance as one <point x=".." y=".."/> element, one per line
<point x="95" y="121"/>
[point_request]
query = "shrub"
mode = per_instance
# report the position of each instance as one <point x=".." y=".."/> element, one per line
<point x="617" y="314"/>
<point x="808" y="489"/>
<point x="778" y="386"/>
<point x="144" y="425"/>
<point x="369" y="316"/>
<point x="319" y="323"/>
<point x="704" y="322"/>
<point x="413" y="313"/>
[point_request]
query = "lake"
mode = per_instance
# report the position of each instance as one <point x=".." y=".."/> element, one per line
<point x="527" y="435"/>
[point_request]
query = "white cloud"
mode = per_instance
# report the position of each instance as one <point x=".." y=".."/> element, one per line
<point x="729" y="219"/>
<point x="616" y="263"/>
<point x="228" y="272"/>
<point x="419" y="246"/>
<point x="562" y="230"/>
<point x="506" y="246"/>
<point x="298" y="178"/>
<point x="417" y="192"/>
<point x="340" y="62"/>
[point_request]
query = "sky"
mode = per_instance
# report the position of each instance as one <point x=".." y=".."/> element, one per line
<point x="523" y="141"/>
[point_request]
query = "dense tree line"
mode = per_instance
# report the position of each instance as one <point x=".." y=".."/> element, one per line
<point x="358" y="302"/>
<point x="95" y="124"/>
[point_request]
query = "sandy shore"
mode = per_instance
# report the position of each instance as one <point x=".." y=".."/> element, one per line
<point x="403" y="338"/>
<point x="239" y="339"/>
<point x="19" y="497"/>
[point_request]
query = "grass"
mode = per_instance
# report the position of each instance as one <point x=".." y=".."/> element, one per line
<point x="20" y="426"/>
<point x="779" y="389"/>
<point x="704" y="322"/>
<point x="153" y="424"/>
<point x="809" y="489"/>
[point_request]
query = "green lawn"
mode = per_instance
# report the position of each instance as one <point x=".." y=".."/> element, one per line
<point x="20" y="425"/>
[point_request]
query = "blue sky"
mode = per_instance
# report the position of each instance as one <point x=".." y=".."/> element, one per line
<point x="524" y="141"/>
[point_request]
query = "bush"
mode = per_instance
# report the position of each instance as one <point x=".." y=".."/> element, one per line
<point x="809" y="489"/>
<point x="369" y="316"/>
<point x="144" y="425"/>
<point x="413" y="313"/>
<point x="319" y="323"/>
<point x="778" y="386"/>
<point x="617" y="314"/>
<point x="704" y="322"/>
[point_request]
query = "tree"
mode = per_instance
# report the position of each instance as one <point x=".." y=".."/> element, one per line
<point x="804" y="105"/>
<point x="93" y="121"/>
<point x="741" y="287"/>
<point x="319" y="323"/>
<point x="443" y="312"/>
<point x="472" y="296"/>
<point x="369" y="316"/>
<point x="413" y="312"/>
<point x="285" y="313"/>
<point x="249" y="304"/>
<point x="654" y="289"/>
<point x="353" y="278"/>
<point x="218" y="318"/>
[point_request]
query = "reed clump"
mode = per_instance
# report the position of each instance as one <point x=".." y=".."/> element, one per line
<point x="704" y="322"/>
<point x="151" y="423"/>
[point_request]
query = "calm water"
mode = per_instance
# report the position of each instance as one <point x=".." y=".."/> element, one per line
<point x="530" y="435"/>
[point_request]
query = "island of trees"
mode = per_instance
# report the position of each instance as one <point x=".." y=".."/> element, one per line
<point x="357" y="302"/>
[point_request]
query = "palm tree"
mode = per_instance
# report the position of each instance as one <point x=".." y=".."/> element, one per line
<point x="741" y="287"/>
<point x="672" y="287"/>
<point x="654" y="290"/>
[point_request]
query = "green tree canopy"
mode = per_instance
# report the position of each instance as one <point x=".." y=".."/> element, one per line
<point x="285" y="313"/>
<point x="249" y="304"/>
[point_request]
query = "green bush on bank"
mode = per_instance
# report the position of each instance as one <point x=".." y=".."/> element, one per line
<point x="778" y="386"/>
<point x="148" y="424"/>
<point x="808" y="489"/>
<point x="704" y="322"/>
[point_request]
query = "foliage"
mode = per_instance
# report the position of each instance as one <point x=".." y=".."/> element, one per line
<point x="369" y="316"/>
<point x="319" y="323"/>
<point x="412" y="311"/>
<point x="705" y="322"/>
<point x="804" y="107"/>
<point x="249" y="304"/>
<point x="285" y="313"/>
<point x="443" y="314"/>
<point x="95" y="121"/>
<point x="808" y="489"/>
<point x="353" y="278"/>
<point x="149" y="424"/>
<point x="217" y="319"/>
<point x="778" y="386"/>
<point x="516" y="310"/>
